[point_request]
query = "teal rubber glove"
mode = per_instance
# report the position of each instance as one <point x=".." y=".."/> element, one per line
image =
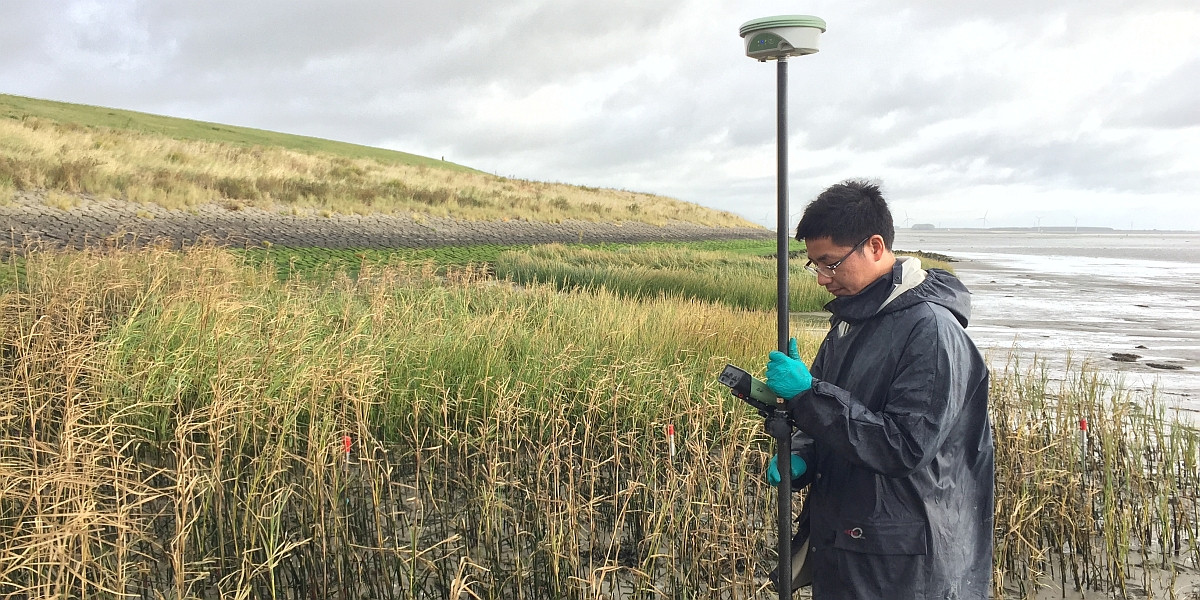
<point x="787" y="375"/>
<point x="798" y="469"/>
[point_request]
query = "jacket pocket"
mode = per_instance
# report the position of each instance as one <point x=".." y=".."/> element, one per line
<point x="883" y="537"/>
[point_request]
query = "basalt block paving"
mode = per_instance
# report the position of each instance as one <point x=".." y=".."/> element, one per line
<point x="29" y="222"/>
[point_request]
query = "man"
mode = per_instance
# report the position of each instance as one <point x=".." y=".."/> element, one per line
<point x="893" y="431"/>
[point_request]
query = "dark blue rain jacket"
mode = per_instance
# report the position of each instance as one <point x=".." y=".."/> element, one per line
<point x="897" y="438"/>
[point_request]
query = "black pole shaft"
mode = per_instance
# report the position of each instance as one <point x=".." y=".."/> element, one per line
<point x="782" y="430"/>
<point x="782" y="243"/>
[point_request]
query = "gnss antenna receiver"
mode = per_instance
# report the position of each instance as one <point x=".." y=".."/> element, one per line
<point x="777" y="38"/>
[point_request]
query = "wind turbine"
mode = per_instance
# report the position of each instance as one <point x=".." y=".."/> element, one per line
<point x="984" y="219"/>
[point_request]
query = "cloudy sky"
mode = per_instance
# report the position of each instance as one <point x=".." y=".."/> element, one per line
<point x="1017" y="113"/>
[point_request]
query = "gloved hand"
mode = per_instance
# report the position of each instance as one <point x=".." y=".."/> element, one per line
<point x="798" y="469"/>
<point x="787" y="375"/>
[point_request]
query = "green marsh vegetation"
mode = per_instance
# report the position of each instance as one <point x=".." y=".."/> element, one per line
<point x="739" y="273"/>
<point x="174" y="423"/>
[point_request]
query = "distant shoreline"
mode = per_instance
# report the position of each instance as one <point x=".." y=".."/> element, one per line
<point x="1067" y="230"/>
<point x="1042" y="230"/>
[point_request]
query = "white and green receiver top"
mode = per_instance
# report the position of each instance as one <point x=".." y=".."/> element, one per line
<point x="785" y="35"/>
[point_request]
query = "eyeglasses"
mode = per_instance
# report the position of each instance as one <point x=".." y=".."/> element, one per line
<point x="829" y="270"/>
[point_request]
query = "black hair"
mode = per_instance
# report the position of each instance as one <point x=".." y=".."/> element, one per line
<point x="848" y="212"/>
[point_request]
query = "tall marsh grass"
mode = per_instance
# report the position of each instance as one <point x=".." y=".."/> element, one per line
<point x="1097" y="488"/>
<point x="713" y="273"/>
<point x="740" y="281"/>
<point x="712" y="257"/>
<point x="175" y="425"/>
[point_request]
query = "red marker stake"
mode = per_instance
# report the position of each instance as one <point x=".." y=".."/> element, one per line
<point x="1083" y="432"/>
<point x="671" y="439"/>
<point x="1083" y="457"/>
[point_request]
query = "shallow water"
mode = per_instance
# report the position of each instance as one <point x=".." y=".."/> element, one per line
<point x="1083" y="297"/>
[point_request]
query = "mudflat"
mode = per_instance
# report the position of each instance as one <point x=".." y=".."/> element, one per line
<point x="1125" y="302"/>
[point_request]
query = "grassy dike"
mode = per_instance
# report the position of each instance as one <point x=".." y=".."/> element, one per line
<point x="174" y="423"/>
<point x="67" y="151"/>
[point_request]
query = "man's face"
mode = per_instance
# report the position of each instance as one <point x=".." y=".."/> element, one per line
<point x="846" y="270"/>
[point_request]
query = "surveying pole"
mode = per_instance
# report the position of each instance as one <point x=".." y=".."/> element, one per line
<point x="777" y="38"/>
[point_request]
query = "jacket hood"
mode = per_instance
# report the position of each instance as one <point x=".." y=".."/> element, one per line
<point x="907" y="285"/>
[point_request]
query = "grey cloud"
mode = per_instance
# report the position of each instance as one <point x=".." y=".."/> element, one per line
<point x="23" y="30"/>
<point x="1169" y="103"/>
<point x="282" y="32"/>
<point x="993" y="158"/>
<point x="1028" y="14"/>
<point x="27" y="60"/>
<point x="53" y="49"/>
<point x="350" y="62"/>
<point x="911" y="100"/>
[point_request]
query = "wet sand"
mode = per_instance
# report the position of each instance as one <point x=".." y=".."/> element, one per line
<point x="1084" y="298"/>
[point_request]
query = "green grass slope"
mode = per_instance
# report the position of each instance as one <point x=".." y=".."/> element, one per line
<point x="66" y="153"/>
<point x="20" y="108"/>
